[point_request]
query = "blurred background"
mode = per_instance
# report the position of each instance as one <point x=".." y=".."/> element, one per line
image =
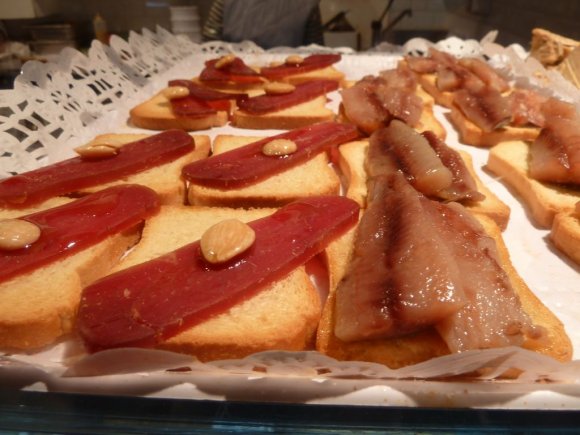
<point x="41" y="28"/>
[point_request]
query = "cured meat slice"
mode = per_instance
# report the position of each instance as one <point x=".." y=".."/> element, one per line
<point x="310" y="63"/>
<point x="78" y="173"/>
<point x="415" y="259"/>
<point x="555" y="154"/>
<point x="248" y="164"/>
<point x="234" y="71"/>
<point x="486" y="108"/>
<point x="526" y="107"/>
<point x="307" y="91"/>
<point x="463" y="186"/>
<point x="428" y="163"/>
<point x="493" y="316"/>
<point x="150" y="302"/>
<point x="72" y="227"/>
<point x="202" y="101"/>
<point x="421" y="65"/>
<point x="414" y="156"/>
<point x="372" y="103"/>
<point x="401" y="277"/>
<point x="486" y="73"/>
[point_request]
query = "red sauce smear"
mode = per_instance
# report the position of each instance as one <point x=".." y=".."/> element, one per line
<point x="72" y="227"/>
<point x="236" y="71"/>
<point x="247" y="165"/>
<point x="307" y="91"/>
<point x="74" y="174"/>
<point x="310" y="63"/>
<point x="150" y="302"/>
<point x="202" y="101"/>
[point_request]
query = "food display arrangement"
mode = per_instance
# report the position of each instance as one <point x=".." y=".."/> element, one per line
<point x="367" y="220"/>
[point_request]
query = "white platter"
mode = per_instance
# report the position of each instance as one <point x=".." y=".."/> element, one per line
<point x="107" y="83"/>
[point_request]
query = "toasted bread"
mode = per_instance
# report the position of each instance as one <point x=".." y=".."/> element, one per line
<point x="156" y="114"/>
<point x="39" y="307"/>
<point x="311" y="178"/>
<point x="352" y="160"/>
<point x="301" y="115"/>
<point x="427" y="344"/>
<point x="328" y="73"/>
<point x="284" y="316"/>
<point x="471" y="134"/>
<point x="165" y="179"/>
<point x="565" y="234"/>
<point x="509" y="160"/>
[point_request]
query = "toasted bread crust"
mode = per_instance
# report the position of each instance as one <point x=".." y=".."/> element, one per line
<point x="283" y="316"/>
<point x="471" y="134"/>
<point x="509" y="160"/>
<point x="311" y="178"/>
<point x="38" y="308"/>
<point x="427" y="344"/>
<point x="565" y="234"/>
<point x="166" y="179"/>
<point x="301" y="115"/>
<point x="352" y="159"/>
<point x="156" y="114"/>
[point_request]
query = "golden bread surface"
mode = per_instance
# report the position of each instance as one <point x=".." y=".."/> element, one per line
<point x="284" y="316"/>
<point x="312" y="178"/>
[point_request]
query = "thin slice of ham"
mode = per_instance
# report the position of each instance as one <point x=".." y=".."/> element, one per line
<point x="150" y="302"/>
<point x="302" y="93"/>
<point x="421" y="65"/>
<point x="235" y="71"/>
<point x="248" y="164"/>
<point x="486" y="108"/>
<point x="310" y="63"/>
<point x="400" y="278"/>
<point x="202" y="101"/>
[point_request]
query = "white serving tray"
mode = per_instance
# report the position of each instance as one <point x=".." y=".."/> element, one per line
<point x="56" y="107"/>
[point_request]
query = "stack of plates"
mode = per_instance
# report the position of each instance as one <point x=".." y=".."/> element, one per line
<point x="185" y="21"/>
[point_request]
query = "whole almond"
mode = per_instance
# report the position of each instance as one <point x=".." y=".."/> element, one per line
<point x="225" y="240"/>
<point x="279" y="147"/>
<point x="174" y="92"/>
<point x="278" y="88"/>
<point x="17" y="234"/>
<point x="294" y="59"/>
<point x="96" y="151"/>
<point x="225" y="60"/>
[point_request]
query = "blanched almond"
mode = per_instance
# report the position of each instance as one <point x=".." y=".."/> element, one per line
<point x="17" y="234"/>
<point x="294" y="59"/>
<point x="277" y="88"/>
<point x="96" y="151"/>
<point x="174" y="92"/>
<point x="225" y="240"/>
<point x="279" y="147"/>
<point x="225" y="60"/>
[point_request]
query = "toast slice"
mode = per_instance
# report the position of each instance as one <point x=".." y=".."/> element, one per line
<point x="427" y="344"/>
<point x="282" y="317"/>
<point x="312" y="178"/>
<point x="156" y="114"/>
<point x="351" y="161"/>
<point x="39" y="307"/>
<point x="327" y="73"/>
<point x="565" y="234"/>
<point x="471" y="134"/>
<point x="166" y="179"/>
<point x="509" y="160"/>
<point x="301" y="115"/>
